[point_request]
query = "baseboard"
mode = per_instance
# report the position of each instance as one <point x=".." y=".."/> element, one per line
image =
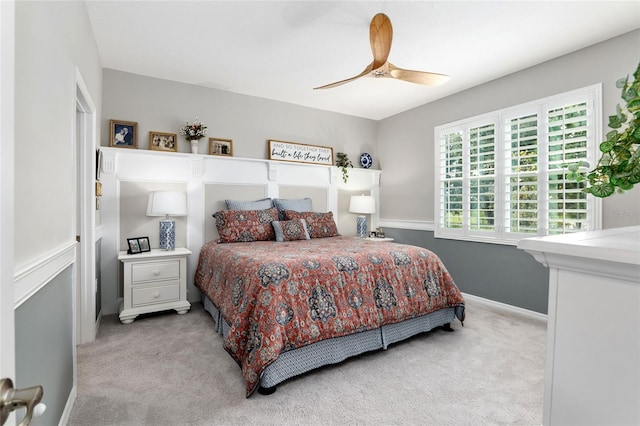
<point x="505" y="307"/>
<point x="66" y="414"/>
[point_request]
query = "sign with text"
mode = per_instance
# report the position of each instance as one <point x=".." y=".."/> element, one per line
<point x="300" y="153"/>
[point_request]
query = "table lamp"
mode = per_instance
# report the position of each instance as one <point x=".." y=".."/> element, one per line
<point x="167" y="203"/>
<point x="362" y="204"/>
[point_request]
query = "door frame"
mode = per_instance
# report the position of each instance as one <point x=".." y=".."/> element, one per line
<point x="84" y="147"/>
<point x="7" y="191"/>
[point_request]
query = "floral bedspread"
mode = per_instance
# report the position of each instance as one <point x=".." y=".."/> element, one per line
<point x="279" y="296"/>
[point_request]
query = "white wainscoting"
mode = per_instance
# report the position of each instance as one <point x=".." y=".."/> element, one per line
<point x="196" y="171"/>
<point x="31" y="278"/>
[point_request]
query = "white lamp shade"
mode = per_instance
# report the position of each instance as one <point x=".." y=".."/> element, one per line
<point x="163" y="203"/>
<point x="362" y="204"/>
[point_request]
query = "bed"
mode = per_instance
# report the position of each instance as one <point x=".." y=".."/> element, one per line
<point x="287" y="306"/>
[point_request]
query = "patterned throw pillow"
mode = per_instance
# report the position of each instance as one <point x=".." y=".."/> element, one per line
<point x="235" y="226"/>
<point x="291" y="230"/>
<point x="319" y="225"/>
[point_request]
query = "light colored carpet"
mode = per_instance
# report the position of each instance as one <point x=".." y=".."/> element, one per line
<point x="169" y="369"/>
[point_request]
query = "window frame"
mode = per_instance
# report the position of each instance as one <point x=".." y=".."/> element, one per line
<point x="500" y="119"/>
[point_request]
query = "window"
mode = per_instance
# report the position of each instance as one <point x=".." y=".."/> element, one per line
<point x="501" y="176"/>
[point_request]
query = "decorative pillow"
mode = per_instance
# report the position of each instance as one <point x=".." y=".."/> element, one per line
<point x="291" y="230"/>
<point x="235" y="226"/>
<point x="319" y="225"/>
<point x="263" y="204"/>
<point x="298" y="205"/>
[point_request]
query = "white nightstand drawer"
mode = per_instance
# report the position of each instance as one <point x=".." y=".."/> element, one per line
<point x="155" y="271"/>
<point x="153" y="295"/>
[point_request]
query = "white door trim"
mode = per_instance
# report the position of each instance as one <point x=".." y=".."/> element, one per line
<point x="84" y="125"/>
<point x="7" y="191"/>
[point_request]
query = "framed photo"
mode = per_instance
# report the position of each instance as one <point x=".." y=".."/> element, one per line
<point x="143" y="242"/>
<point x="300" y="153"/>
<point x="159" y="141"/>
<point x="219" y="146"/>
<point x="123" y="134"/>
<point x="138" y="245"/>
<point x="134" y="246"/>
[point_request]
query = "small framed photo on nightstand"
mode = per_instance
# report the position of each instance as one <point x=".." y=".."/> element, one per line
<point x="134" y="246"/>
<point x="143" y="242"/>
<point x="138" y="245"/>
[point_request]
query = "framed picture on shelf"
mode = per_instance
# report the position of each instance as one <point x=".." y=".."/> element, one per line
<point x="219" y="146"/>
<point x="123" y="134"/>
<point x="160" y="141"/>
<point x="134" y="246"/>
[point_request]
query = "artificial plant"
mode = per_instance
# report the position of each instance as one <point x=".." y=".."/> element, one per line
<point x="343" y="162"/>
<point x="619" y="166"/>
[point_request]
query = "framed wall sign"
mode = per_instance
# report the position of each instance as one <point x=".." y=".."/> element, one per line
<point x="300" y="153"/>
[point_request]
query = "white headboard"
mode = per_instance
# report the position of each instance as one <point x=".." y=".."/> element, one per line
<point x="128" y="175"/>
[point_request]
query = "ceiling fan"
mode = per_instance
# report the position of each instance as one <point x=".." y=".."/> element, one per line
<point x="380" y="36"/>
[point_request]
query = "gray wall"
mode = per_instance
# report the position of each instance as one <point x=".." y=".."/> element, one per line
<point x="492" y="271"/>
<point x="164" y="106"/>
<point x="44" y="350"/>
<point x="406" y="150"/>
<point x="406" y="141"/>
<point x="52" y="39"/>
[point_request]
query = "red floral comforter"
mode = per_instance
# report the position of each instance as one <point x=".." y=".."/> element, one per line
<point x="279" y="296"/>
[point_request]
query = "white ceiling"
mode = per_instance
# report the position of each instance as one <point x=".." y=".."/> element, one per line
<point x="282" y="49"/>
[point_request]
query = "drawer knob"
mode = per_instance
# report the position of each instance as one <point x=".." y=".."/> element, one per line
<point x="156" y="295"/>
<point x="156" y="272"/>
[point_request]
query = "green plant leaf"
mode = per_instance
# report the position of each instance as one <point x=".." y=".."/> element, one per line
<point x="612" y="135"/>
<point x="602" y="190"/>
<point x="625" y="184"/>
<point x="629" y="94"/>
<point x="614" y="122"/>
<point x="606" y="146"/>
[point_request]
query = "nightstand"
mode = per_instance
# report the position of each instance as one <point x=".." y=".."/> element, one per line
<point x="154" y="281"/>
<point x="380" y="240"/>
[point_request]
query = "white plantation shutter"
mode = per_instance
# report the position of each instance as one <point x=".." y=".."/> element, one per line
<point x="482" y="183"/>
<point x="521" y="174"/>
<point x="451" y="179"/>
<point x="567" y="132"/>
<point x="502" y="175"/>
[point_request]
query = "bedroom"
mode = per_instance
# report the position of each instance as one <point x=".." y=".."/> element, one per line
<point x="43" y="165"/>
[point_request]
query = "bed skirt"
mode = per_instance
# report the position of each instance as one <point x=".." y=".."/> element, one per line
<point x="332" y="351"/>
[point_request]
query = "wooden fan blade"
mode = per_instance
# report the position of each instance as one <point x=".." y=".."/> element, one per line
<point x="418" y="77"/>
<point x="380" y="37"/>
<point x="341" y="82"/>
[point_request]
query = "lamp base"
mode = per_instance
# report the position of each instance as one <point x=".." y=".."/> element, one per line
<point x="361" y="226"/>
<point x="167" y="234"/>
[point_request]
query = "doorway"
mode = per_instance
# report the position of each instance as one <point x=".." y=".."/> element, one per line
<point x="88" y="312"/>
